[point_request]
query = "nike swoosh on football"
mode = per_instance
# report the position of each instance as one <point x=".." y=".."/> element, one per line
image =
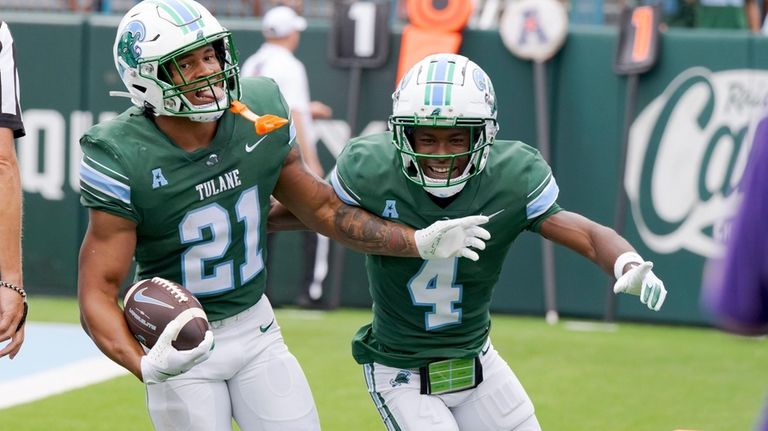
<point x="249" y="148"/>
<point x="265" y="328"/>
<point x="141" y="297"/>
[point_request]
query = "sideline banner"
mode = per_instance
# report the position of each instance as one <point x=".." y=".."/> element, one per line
<point x="684" y="162"/>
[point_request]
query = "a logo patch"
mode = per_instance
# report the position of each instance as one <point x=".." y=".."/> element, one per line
<point x="158" y="179"/>
<point x="403" y="377"/>
<point x="390" y="209"/>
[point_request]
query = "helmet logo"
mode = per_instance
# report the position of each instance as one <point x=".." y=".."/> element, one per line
<point x="127" y="48"/>
<point x="483" y="84"/>
<point x="479" y="77"/>
<point x="435" y="112"/>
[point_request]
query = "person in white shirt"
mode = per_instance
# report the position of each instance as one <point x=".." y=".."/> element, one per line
<point x="282" y="27"/>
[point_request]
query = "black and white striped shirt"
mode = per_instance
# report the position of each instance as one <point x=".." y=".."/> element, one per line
<point x="10" y="110"/>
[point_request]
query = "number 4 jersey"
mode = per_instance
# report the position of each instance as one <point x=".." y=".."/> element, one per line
<point x="425" y="310"/>
<point x="200" y="216"/>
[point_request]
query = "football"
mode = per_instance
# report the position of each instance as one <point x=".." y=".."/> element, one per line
<point x="151" y="304"/>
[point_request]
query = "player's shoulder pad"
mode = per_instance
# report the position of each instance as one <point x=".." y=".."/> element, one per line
<point x="116" y="135"/>
<point x="365" y="159"/>
<point x="366" y="162"/>
<point x="262" y="95"/>
<point x="514" y="157"/>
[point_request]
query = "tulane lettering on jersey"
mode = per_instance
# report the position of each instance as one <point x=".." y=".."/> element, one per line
<point x="201" y="216"/>
<point x="437" y="309"/>
<point x="228" y="181"/>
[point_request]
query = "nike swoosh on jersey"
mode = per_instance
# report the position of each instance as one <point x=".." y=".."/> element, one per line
<point x="141" y="297"/>
<point x="265" y="328"/>
<point x="249" y="148"/>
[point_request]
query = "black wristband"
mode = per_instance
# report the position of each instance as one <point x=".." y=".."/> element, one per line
<point x="23" y="317"/>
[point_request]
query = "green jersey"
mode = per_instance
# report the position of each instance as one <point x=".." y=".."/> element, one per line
<point x="200" y="216"/>
<point x="426" y="310"/>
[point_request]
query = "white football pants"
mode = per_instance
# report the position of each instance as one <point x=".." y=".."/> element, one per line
<point x="499" y="403"/>
<point x="250" y="376"/>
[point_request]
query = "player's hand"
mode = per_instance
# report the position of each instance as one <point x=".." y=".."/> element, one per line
<point x="641" y="281"/>
<point x="451" y="238"/>
<point x="163" y="361"/>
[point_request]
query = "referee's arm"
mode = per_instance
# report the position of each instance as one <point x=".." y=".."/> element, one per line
<point x="12" y="307"/>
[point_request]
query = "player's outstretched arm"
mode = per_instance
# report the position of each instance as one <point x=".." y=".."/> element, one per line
<point x="105" y="260"/>
<point x="611" y="252"/>
<point x="315" y="204"/>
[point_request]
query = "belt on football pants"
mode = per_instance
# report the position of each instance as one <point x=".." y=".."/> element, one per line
<point x="237" y="317"/>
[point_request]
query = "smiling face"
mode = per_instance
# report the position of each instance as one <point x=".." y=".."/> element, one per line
<point x="192" y="69"/>
<point x="436" y="141"/>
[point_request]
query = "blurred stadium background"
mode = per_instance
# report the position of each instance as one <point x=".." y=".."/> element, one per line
<point x="685" y="153"/>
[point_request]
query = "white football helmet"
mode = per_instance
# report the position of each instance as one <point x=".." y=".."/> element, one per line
<point x="151" y="36"/>
<point x="444" y="90"/>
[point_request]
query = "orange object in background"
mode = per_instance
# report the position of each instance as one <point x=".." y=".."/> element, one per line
<point x="452" y="17"/>
<point x="432" y="30"/>
<point x="418" y="43"/>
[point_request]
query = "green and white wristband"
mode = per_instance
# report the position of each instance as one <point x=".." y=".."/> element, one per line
<point x="623" y="260"/>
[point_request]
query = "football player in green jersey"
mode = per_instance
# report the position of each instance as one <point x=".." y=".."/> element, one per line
<point x="183" y="186"/>
<point x="427" y="358"/>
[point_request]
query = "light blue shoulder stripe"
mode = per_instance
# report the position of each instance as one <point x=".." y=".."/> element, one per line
<point x="291" y="133"/>
<point x="345" y="197"/>
<point x="103" y="183"/>
<point x="544" y="200"/>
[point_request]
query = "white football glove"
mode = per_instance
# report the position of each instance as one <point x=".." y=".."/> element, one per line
<point x="163" y="361"/>
<point x="450" y="238"/>
<point x="641" y="281"/>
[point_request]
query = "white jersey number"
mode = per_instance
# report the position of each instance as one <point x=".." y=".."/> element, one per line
<point x="434" y="287"/>
<point x="215" y="218"/>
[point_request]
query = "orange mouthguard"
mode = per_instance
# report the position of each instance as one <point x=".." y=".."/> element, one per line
<point x="263" y="123"/>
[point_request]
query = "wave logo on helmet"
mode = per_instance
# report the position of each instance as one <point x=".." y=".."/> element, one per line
<point x="479" y="78"/>
<point x="127" y="48"/>
<point x="483" y="83"/>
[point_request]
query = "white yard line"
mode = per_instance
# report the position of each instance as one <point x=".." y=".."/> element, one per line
<point x="55" y="358"/>
<point x="57" y="380"/>
<point x="584" y="326"/>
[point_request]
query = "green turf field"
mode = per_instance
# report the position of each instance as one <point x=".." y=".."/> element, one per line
<point x="634" y="378"/>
